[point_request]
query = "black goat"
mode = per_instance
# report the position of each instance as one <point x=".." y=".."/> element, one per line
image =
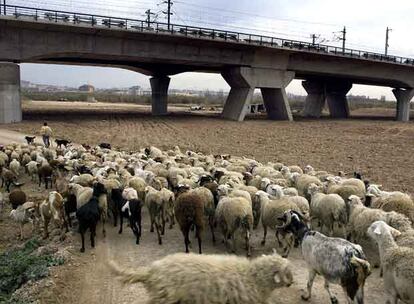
<point x="105" y="146"/>
<point x="60" y="142"/>
<point x="89" y="214"/>
<point x="70" y="207"/>
<point x="132" y="210"/>
<point x="30" y="139"/>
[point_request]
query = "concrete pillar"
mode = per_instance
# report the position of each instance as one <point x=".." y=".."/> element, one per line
<point x="159" y="87"/>
<point x="404" y="97"/>
<point x="336" y="98"/>
<point x="316" y="98"/>
<point x="10" y="102"/>
<point x="276" y="104"/>
<point x="237" y="103"/>
<point x="243" y="81"/>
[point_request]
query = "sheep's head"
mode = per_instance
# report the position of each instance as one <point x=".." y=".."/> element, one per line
<point x="264" y="183"/>
<point x="379" y="229"/>
<point x="271" y="271"/>
<point x="285" y="170"/>
<point x="308" y="169"/>
<point x="314" y="188"/>
<point x="276" y="191"/>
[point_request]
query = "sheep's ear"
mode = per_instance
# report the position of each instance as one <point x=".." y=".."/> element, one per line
<point x="274" y="251"/>
<point x="377" y="231"/>
<point x="277" y="278"/>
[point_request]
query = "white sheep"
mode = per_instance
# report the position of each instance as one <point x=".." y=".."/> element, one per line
<point x="271" y="210"/>
<point x="327" y="209"/>
<point x="15" y="167"/>
<point x="360" y="219"/>
<point x="24" y="214"/>
<point x="205" y="279"/>
<point x="84" y="180"/>
<point x="232" y="214"/>
<point x="83" y="194"/>
<point x="397" y="263"/>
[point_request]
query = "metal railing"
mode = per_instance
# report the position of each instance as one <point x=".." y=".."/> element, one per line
<point x="46" y="15"/>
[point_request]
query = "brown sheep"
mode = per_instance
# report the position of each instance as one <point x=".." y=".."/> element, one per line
<point x="17" y="198"/>
<point x="189" y="211"/>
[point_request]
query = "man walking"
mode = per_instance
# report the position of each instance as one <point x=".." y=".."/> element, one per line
<point x="46" y="132"/>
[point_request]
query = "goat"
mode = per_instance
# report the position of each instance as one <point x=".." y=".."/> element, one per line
<point x="30" y="139"/>
<point x="337" y="260"/>
<point x="60" y="142"/>
<point x="132" y="210"/>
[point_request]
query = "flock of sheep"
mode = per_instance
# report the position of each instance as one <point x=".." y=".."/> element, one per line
<point x="226" y="194"/>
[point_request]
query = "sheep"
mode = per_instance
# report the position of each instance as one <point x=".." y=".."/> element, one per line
<point x="218" y="279"/>
<point x="337" y="260"/>
<point x="327" y="209"/>
<point x="346" y="188"/>
<point x="1" y="203"/>
<point x="139" y="185"/>
<point x="83" y="194"/>
<point x="52" y="208"/>
<point x="391" y="201"/>
<point x="45" y="173"/>
<point x="360" y="219"/>
<point x="15" y="167"/>
<point x="7" y="178"/>
<point x="24" y="214"/>
<point x="169" y="201"/>
<point x="153" y="152"/>
<point x="302" y="183"/>
<point x="17" y="198"/>
<point x="235" y="213"/>
<point x="156" y="207"/>
<point x="88" y="216"/>
<point x="85" y="180"/>
<point x="32" y="169"/>
<point x="397" y="263"/>
<point x="271" y="210"/>
<point x="189" y="211"/>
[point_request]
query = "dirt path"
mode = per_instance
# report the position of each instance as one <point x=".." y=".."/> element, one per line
<point x="98" y="286"/>
<point x="8" y="136"/>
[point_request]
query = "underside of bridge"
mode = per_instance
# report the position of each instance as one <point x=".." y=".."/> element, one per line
<point x="243" y="81"/>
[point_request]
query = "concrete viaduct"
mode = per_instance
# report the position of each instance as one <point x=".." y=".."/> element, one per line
<point x="327" y="76"/>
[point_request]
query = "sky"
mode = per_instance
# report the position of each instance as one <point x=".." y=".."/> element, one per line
<point x="366" y="23"/>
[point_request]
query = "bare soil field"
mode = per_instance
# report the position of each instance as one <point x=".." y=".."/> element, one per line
<point x="380" y="148"/>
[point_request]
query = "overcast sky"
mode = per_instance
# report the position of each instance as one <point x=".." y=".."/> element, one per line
<point x="365" y="20"/>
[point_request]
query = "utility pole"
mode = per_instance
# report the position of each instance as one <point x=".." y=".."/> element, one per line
<point x="5" y="12"/>
<point x="387" y="39"/>
<point x="148" y="12"/>
<point x="314" y="37"/>
<point x="168" y="12"/>
<point x="343" y="39"/>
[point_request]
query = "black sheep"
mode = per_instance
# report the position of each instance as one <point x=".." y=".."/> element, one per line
<point x="88" y="215"/>
<point x="70" y="207"/>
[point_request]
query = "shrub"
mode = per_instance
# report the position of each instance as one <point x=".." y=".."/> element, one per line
<point x="18" y="266"/>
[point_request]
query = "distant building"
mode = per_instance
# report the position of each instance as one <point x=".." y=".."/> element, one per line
<point x="87" y="88"/>
<point x="135" y="91"/>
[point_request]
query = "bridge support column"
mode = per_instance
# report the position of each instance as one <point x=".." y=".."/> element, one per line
<point x="403" y="103"/>
<point x="316" y="98"/>
<point x="244" y="80"/>
<point x="159" y="87"/>
<point x="336" y="98"/>
<point x="276" y="104"/>
<point x="10" y="102"/>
